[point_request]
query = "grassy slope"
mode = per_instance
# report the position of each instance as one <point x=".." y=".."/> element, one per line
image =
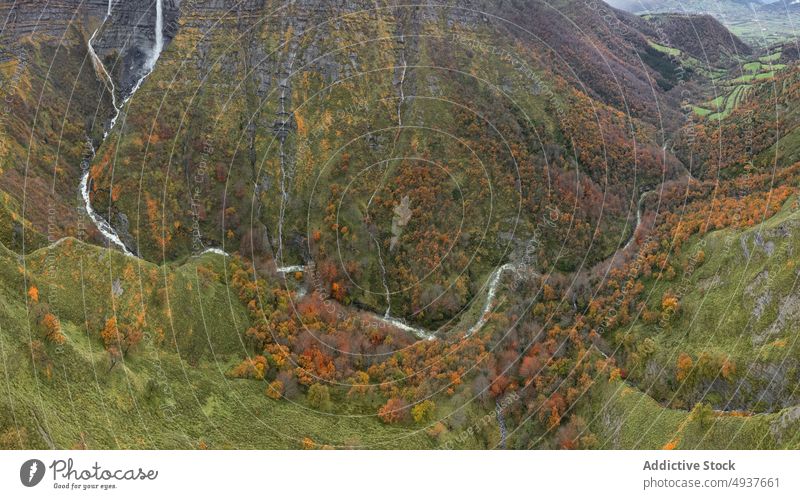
<point x="739" y="304"/>
<point x="161" y="399"/>
<point x="169" y="393"/>
<point x="723" y="290"/>
<point x="126" y="406"/>
<point x="736" y="87"/>
<point x="625" y="418"/>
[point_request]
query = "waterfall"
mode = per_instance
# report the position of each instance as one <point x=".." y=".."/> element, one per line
<point x="282" y="129"/>
<point x="159" y="45"/>
<point x="100" y="68"/>
<point x="102" y="225"/>
<point x="494" y="282"/>
<point x="111" y="235"/>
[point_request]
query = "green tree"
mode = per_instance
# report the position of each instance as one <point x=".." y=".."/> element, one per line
<point x="319" y="396"/>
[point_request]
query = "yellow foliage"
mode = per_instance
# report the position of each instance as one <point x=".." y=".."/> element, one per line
<point x="301" y="124"/>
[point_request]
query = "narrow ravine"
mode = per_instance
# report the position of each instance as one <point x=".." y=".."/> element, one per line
<point x="403" y="71"/>
<point x="638" y="219"/>
<point x="102" y="225"/>
<point x="387" y="293"/>
<point x="400" y="101"/>
<point x="105" y="228"/>
<point x="491" y="294"/>
<point x="689" y="178"/>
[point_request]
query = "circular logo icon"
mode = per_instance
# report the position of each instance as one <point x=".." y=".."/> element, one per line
<point x="31" y="472"/>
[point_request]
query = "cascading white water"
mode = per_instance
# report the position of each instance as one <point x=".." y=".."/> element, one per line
<point x="215" y="251"/>
<point x="102" y="225"/>
<point x="109" y="233"/>
<point x="101" y="70"/>
<point x="99" y="222"/>
<point x="159" y="45"/>
<point x="638" y="219"/>
<point x="494" y="281"/>
<point x="291" y="268"/>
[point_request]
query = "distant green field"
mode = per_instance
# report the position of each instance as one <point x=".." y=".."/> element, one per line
<point x="764" y="32"/>
<point x="752" y="67"/>
<point x="664" y="49"/>
<point x="736" y="88"/>
<point x="721" y="106"/>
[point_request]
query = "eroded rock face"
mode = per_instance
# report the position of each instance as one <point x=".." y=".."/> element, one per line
<point x="784" y="428"/>
<point x="27" y="17"/>
<point x="128" y="38"/>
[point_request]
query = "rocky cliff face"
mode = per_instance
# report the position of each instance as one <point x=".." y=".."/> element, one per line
<point x="254" y="105"/>
<point x="124" y="41"/>
<point x="26" y="17"/>
<point x="32" y="18"/>
<point x="127" y="38"/>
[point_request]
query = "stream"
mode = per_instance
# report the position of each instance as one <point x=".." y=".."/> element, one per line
<point x="425" y="334"/>
<point x="638" y="219"/>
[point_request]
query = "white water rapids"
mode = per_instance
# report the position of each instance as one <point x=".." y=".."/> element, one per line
<point x="424" y="334"/>
<point x="102" y="225"/>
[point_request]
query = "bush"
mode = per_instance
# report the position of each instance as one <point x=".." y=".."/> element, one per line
<point x="275" y="390"/>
